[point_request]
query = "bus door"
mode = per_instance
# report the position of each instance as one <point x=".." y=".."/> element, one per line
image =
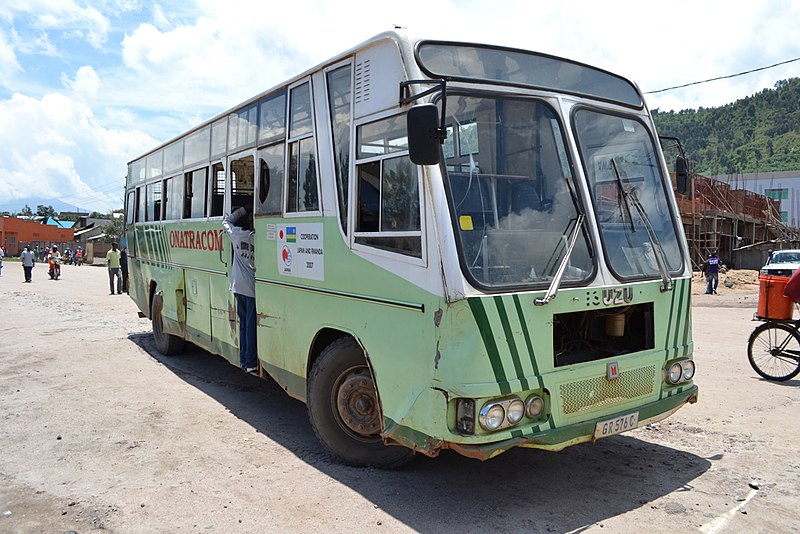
<point x="224" y="320"/>
<point x="223" y="316"/>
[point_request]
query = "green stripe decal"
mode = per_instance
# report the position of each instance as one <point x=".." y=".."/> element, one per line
<point x="512" y="345"/>
<point x="669" y="322"/>
<point x="527" y="335"/>
<point x="677" y="320"/>
<point x="485" y="329"/>
<point x="688" y="324"/>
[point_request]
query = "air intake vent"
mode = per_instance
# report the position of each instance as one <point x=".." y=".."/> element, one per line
<point x="599" y="392"/>
<point x="362" y="81"/>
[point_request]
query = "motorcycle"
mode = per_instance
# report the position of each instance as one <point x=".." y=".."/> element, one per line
<point x="55" y="267"/>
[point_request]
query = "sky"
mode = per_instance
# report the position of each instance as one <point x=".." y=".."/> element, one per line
<point x="87" y="86"/>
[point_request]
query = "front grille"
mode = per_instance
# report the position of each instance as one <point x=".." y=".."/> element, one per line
<point x="599" y="391"/>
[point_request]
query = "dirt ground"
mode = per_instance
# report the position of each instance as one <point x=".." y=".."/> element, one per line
<point x="99" y="433"/>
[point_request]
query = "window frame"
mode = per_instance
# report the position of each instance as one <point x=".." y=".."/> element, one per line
<point x="211" y="177"/>
<point x="421" y="261"/>
<point x="257" y="204"/>
<point x="229" y="159"/>
<point x="191" y="170"/>
<point x="345" y="231"/>
<point x="289" y="141"/>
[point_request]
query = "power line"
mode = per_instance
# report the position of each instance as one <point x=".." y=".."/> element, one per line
<point x="724" y="77"/>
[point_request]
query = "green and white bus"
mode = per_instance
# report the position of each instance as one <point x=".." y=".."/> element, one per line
<point x="458" y="246"/>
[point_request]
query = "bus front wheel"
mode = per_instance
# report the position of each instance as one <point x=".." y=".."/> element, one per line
<point x="166" y="344"/>
<point x="344" y="409"/>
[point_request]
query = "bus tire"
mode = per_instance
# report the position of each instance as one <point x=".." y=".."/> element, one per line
<point x="165" y="343"/>
<point x="344" y="410"/>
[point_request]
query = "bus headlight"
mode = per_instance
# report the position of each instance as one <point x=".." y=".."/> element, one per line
<point x="680" y="371"/>
<point x="534" y="405"/>
<point x="675" y="373"/>
<point x="515" y="411"/>
<point x="492" y="416"/>
<point x="688" y="369"/>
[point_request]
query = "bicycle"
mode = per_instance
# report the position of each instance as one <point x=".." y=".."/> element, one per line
<point x="774" y="349"/>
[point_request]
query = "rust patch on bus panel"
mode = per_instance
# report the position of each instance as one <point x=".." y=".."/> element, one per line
<point x="261" y="316"/>
<point x="437" y="318"/>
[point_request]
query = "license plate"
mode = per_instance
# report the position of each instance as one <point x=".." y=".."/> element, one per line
<point x="623" y="423"/>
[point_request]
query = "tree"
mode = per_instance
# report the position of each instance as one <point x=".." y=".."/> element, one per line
<point x="26" y="211"/>
<point x="45" y="211"/>
<point x="113" y="230"/>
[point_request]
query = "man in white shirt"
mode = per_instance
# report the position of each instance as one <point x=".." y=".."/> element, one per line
<point x="28" y="261"/>
<point x="238" y="225"/>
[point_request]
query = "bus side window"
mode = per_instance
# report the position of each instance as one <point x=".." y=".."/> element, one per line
<point x="339" y="97"/>
<point x="388" y="191"/>
<point x="195" y="195"/>
<point x="217" y="190"/>
<point x="270" y="180"/>
<point x="173" y="198"/>
<point x="153" y="211"/>
<point x="130" y="208"/>
<point x="301" y="178"/>
<point x="242" y="182"/>
<point x="140" y="204"/>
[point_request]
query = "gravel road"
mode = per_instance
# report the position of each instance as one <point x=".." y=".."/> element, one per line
<point x="101" y="434"/>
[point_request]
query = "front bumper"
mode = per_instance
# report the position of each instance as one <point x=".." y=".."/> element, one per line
<point x="551" y="439"/>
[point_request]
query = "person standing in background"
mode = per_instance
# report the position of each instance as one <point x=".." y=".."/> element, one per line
<point x="113" y="258"/>
<point x="28" y="261"/>
<point x="712" y="273"/>
<point x="1" y="260"/>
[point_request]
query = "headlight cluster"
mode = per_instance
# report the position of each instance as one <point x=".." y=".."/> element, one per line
<point x="504" y="413"/>
<point x="680" y="371"/>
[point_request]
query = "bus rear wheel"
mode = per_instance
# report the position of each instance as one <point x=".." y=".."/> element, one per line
<point x="344" y="409"/>
<point x="166" y="344"/>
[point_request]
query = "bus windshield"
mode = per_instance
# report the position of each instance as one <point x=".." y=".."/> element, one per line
<point x="512" y="192"/>
<point x="622" y="169"/>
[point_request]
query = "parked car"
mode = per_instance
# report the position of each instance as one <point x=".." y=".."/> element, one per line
<point x="782" y="263"/>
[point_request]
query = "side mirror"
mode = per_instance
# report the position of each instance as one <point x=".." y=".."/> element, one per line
<point x="423" y="134"/>
<point x="681" y="175"/>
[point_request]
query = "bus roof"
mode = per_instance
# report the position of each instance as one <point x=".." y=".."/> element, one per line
<point x="631" y="94"/>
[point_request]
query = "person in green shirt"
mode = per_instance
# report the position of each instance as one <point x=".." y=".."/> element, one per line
<point x="113" y="257"/>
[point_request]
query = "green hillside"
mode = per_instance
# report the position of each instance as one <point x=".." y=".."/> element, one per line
<point x="760" y="133"/>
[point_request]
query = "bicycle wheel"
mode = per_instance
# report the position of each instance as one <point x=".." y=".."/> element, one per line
<point x="774" y="351"/>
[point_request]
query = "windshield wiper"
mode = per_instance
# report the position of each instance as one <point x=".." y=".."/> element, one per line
<point x="658" y="250"/>
<point x="622" y="195"/>
<point x="553" y="289"/>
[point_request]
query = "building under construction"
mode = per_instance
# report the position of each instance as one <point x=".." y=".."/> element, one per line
<point x="740" y="225"/>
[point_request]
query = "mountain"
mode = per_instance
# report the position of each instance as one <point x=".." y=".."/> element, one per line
<point x="17" y="205"/>
<point x="759" y="133"/>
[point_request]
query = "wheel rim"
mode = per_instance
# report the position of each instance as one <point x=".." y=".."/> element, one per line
<point x="774" y="353"/>
<point x="356" y="403"/>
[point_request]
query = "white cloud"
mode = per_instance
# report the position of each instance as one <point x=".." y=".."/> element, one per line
<point x="54" y="147"/>
<point x="9" y="65"/>
<point x="160" y="19"/>
<point x="85" y="84"/>
<point x="63" y="15"/>
<point x="35" y="44"/>
<point x="192" y="61"/>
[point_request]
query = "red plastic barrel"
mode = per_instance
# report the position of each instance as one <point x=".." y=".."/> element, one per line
<point x="771" y="302"/>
